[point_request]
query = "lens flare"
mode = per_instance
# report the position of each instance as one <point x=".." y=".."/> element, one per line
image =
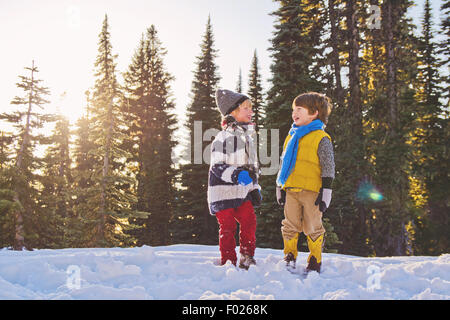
<point x="376" y="196"/>
<point x="368" y="191"/>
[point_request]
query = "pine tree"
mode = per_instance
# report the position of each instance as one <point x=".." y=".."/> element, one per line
<point x="7" y="208"/>
<point x="114" y="201"/>
<point x="239" y="82"/>
<point x="389" y="121"/>
<point x="26" y="122"/>
<point x="444" y="51"/>
<point x="255" y="92"/>
<point x="347" y="215"/>
<point x="148" y="108"/>
<point x="193" y="223"/>
<point x="7" y="204"/>
<point x="55" y="197"/>
<point x="334" y="59"/>
<point x="429" y="140"/>
<point x="83" y="186"/>
<point x="6" y="153"/>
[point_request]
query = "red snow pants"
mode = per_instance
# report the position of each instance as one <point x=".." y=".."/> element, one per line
<point x="227" y="218"/>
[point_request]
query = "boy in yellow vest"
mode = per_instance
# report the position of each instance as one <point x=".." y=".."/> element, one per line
<point x="305" y="177"/>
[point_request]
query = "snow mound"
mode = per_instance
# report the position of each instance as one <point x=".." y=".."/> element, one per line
<point x="191" y="272"/>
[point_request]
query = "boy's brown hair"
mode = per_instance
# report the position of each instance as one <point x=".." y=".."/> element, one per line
<point x="314" y="101"/>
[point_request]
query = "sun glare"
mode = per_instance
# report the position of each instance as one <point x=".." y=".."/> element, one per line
<point x="69" y="106"/>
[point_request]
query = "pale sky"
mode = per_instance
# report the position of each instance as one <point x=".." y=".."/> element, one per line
<point x="62" y="35"/>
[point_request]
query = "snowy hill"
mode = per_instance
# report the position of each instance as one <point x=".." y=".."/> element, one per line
<point x="191" y="272"/>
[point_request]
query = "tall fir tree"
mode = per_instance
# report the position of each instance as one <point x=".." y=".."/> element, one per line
<point x="6" y="140"/>
<point x="7" y="204"/>
<point x="444" y="51"/>
<point x="7" y="209"/>
<point x="430" y="168"/>
<point x="334" y="59"/>
<point x="83" y="191"/>
<point x="149" y="110"/>
<point x="193" y="222"/>
<point x="55" y="196"/>
<point x="255" y="92"/>
<point x="114" y="200"/>
<point x="239" y="82"/>
<point x="347" y="214"/>
<point x="27" y="121"/>
<point x="389" y="119"/>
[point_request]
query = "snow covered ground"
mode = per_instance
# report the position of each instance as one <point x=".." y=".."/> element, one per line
<point x="191" y="272"/>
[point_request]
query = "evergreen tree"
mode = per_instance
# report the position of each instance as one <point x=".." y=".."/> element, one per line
<point x="335" y="87"/>
<point x="55" y="197"/>
<point x="7" y="204"/>
<point x="389" y="121"/>
<point x="332" y="60"/>
<point x="430" y="167"/>
<point x="7" y="208"/>
<point x="5" y="149"/>
<point x="444" y="51"/>
<point x="148" y="109"/>
<point x="255" y="92"/>
<point x="23" y="177"/>
<point x="83" y="186"/>
<point x="114" y="199"/>
<point x="193" y="223"/>
<point x="347" y="214"/>
<point x="239" y="82"/>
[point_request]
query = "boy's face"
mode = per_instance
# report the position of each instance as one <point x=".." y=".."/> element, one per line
<point x="301" y="116"/>
<point x="244" y="112"/>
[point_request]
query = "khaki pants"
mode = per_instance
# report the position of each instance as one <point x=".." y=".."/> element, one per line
<point x="301" y="215"/>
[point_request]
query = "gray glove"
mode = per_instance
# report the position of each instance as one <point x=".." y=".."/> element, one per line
<point x="281" y="196"/>
<point x="323" y="199"/>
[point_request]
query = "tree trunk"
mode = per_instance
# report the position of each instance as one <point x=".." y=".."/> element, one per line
<point x="354" y="114"/>
<point x="390" y="25"/>
<point x="354" y="66"/>
<point x="333" y="14"/>
<point x="390" y="64"/>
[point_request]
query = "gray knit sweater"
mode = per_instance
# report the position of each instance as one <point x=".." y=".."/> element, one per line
<point x="326" y="159"/>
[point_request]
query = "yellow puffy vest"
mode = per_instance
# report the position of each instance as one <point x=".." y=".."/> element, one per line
<point x="307" y="172"/>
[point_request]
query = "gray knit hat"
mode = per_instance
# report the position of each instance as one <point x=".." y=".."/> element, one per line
<point x="227" y="100"/>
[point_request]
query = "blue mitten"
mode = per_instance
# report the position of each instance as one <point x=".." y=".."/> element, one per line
<point x="244" y="178"/>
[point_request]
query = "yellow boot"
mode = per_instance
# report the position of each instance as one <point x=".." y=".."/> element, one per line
<point x="315" y="255"/>
<point x="290" y="251"/>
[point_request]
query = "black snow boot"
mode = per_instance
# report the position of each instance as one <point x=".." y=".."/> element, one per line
<point x="290" y="260"/>
<point x="246" y="261"/>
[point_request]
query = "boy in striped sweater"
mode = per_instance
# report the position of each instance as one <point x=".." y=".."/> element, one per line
<point x="233" y="189"/>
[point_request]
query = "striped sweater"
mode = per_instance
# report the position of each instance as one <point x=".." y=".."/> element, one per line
<point x="232" y="151"/>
